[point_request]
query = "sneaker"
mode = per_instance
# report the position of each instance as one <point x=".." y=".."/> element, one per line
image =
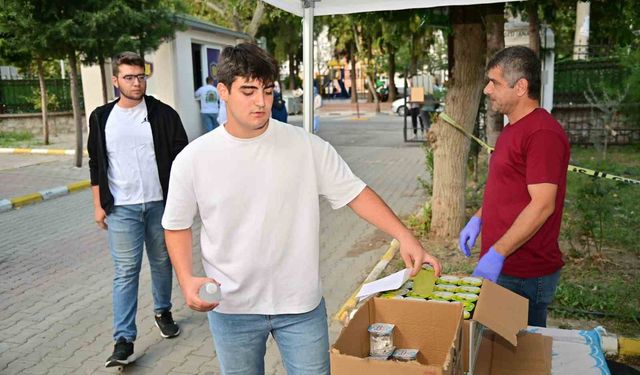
<point x="168" y="328"/>
<point x="122" y="353"/>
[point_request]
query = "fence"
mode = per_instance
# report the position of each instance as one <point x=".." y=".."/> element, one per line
<point x="23" y="95"/>
<point x="583" y="121"/>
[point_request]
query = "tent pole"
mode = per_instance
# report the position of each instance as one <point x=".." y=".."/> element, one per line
<point x="307" y="58"/>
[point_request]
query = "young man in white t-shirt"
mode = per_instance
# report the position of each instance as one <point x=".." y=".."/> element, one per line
<point x="255" y="182"/>
<point x="209" y="105"/>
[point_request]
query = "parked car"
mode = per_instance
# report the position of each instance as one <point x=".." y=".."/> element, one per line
<point x="398" y="106"/>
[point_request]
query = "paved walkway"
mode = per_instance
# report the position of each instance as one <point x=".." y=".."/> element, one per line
<point x="55" y="310"/>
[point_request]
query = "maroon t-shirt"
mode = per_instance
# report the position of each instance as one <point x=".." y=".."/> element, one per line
<point x="533" y="150"/>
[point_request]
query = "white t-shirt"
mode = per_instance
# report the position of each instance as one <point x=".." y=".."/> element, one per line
<point x="259" y="204"/>
<point x="133" y="171"/>
<point x="208" y="96"/>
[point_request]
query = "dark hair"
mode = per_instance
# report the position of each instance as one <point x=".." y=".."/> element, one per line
<point x="516" y="63"/>
<point x="209" y="79"/>
<point x="248" y="61"/>
<point x="126" y="58"/>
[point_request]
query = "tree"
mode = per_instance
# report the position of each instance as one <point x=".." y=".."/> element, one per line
<point x="495" y="42"/>
<point x="450" y="147"/>
<point x="240" y="15"/>
<point x="22" y="42"/>
<point x="340" y="30"/>
<point x="283" y="33"/>
<point x="119" y="25"/>
<point x="151" y="22"/>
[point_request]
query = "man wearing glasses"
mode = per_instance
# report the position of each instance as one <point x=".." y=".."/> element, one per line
<point x="132" y="144"/>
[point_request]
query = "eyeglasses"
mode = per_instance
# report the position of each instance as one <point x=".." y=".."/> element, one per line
<point x="130" y="77"/>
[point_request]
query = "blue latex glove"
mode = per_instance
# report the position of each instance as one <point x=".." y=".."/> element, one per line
<point x="490" y="265"/>
<point x="469" y="234"/>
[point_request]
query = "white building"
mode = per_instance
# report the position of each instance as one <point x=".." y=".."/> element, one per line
<point x="177" y="68"/>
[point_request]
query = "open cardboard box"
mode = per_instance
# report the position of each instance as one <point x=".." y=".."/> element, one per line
<point x="434" y="328"/>
<point x="493" y="342"/>
<point x="496" y="356"/>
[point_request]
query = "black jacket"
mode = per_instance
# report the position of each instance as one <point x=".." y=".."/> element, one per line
<point x="169" y="138"/>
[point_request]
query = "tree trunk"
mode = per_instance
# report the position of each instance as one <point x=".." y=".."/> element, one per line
<point x="372" y="96"/>
<point x="258" y="13"/>
<point x="495" y="42"/>
<point x="413" y="60"/>
<point x="44" y="102"/>
<point x="354" y="78"/>
<point x="372" y="91"/>
<point x="292" y="71"/>
<point x="393" y="90"/>
<point x="103" y="80"/>
<point x="450" y="146"/>
<point x="534" y="34"/>
<point x="75" y="103"/>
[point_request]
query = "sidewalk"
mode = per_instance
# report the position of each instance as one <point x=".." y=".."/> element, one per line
<point x="333" y="107"/>
<point x="24" y="176"/>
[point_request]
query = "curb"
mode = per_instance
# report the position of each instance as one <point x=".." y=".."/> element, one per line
<point x="352" y="113"/>
<point x="44" y="195"/>
<point x="47" y="151"/>
<point x="345" y="311"/>
<point x="629" y="347"/>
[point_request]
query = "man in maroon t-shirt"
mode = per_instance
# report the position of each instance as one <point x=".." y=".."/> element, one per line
<point x="524" y="196"/>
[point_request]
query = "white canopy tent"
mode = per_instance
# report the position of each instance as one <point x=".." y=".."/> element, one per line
<point x="307" y="9"/>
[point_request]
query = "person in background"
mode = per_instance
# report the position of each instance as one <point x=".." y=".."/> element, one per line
<point x="256" y="183"/>
<point x="317" y="103"/>
<point x="209" y="105"/>
<point x="132" y="144"/>
<point x="279" y="110"/>
<point x="521" y="210"/>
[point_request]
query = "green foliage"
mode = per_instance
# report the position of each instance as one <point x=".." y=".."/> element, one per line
<point x="298" y="81"/>
<point x="427" y="184"/>
<point x="590" y="210"/>
<point x="585" y="289"/>
<point x="630" y="60"/>
<point x="53" y="103"/>
<point x="613" y="22"/>
<point x="420" y="223"/>
<point x="14" y="138"/>
<point x="283" y="32"/>
<point x="19" y="96"/>
<point x="602" y="213"/>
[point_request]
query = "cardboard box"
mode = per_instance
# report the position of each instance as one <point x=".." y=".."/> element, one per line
<point x="496" y="356"/>
<point x="417" y="95"/>
<point x="493" y="343"/>
<point x="434" y="328"/>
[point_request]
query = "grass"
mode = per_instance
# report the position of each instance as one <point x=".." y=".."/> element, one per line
<point x="15" y="138"/>
<point x="600" y="238"/>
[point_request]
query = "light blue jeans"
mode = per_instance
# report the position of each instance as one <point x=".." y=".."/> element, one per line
<point x="538" y="290"/>
<point x="209" y="121"/>
<point x="303" y="340"/>
<point x="129" y="228"/>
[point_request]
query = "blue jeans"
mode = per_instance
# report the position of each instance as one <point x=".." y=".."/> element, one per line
<point x="209" y="121"/>
<point x="303" y="340"/>
<point x="129" y="228"/>
<point x="538" y="290"/>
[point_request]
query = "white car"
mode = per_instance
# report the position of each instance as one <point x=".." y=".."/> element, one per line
<point x="398" y="106"/>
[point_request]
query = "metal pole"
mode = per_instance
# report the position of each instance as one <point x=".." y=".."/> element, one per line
<point x="307" y="58"/>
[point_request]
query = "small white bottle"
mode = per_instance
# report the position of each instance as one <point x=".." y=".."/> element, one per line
<point x="210" y="292"/>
